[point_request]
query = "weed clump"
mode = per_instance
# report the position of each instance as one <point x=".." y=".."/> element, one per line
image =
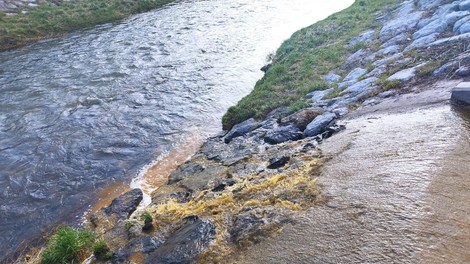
<point x="68" y="245"/>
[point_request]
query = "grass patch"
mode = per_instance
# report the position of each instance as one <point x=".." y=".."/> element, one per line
<point x="303" y="59"/>
<point x="388" y="84"/>
<point x="68" y="245"/>
<point x="101" y="250"/>
<point x="428" y="68"/>
<point x="51" y="20"/>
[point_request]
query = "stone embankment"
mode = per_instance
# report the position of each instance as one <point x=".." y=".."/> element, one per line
<point x="247" y="183"/>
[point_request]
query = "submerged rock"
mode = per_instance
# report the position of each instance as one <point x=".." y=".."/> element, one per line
<point x="125" y="205"/>
<point x="251" y="224"/>
<point x="319" y="124"/>
<point x="186" y="243"/>
<point x="283" y="134"/>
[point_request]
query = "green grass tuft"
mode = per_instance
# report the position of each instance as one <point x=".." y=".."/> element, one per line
<point x="68" y="245"/>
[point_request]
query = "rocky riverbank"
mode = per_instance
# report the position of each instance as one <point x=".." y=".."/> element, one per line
<point x="246" y="184"/>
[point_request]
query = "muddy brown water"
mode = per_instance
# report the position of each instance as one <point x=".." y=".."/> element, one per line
<point x="398" y="186"/>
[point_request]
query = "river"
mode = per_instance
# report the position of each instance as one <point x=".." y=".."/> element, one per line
<point x="91" y="109"/>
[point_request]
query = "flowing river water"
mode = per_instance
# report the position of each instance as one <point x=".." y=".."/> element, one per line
<point x="88" y="111"/>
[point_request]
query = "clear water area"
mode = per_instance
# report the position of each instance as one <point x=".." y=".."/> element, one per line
<point x="91" y="109"/>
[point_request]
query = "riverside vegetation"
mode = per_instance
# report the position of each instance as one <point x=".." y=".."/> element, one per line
<point x="53" y="18"/>
<point x="247" y="183"/>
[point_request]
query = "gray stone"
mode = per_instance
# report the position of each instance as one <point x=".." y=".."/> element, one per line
<point x="446" y="69"/>
<point x="241" y="129"/>
<point x="451" y="40"/>
<point x="356" y="59"/>
<point x="370" y="102"/>
<point x="437" y="26"/>
<point x="453" y="17"/>
<point x="377" y="71"/>
<point x="319" y="124"/>
<point x="301" y="118"/>
<point x="341" y="111"/>
<point x="390" y="50"/>
<point x="464" y="28"/>
<point x="282" y="134"/>
<point x="461" y="94"/>
<point x="459" y="23"/>
<point x="397" y="40"/>
<point x="125" y="205"/>
<point x="346" y="84"/>
<point x="446" y="9"/>
<point x="422" y="42"/>
<point x="463" y="71"/>
<point x="400" y="25"/>
<point x="387" y="60"/>
<point x="354" y="74"/>
<point x="331" y="78"/>
<point x="366" y="37"/>
<point x="318" y="95"/>
<point x="186" y="243"/>
<point x="361" y="86"/>
<point x="464" y="6"/>
<point x="386" y="94"/>
<point x="403" y="75"/>
<point x="427" y="4"/>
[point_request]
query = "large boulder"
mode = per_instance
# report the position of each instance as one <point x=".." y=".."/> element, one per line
<point x="125" y="205"/>
<point x="186" y="243"/>
<point x="461" y="94"/>
<point x="283" y="134"/>
<point x="319" y="124"/>
<point x="302" y="118"/>
<point x="241" y="129"/>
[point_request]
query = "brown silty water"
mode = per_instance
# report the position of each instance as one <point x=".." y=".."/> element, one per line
<point x="397" y="187"/>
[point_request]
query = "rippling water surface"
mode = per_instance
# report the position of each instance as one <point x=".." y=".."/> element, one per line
<point x="81" y="112"/>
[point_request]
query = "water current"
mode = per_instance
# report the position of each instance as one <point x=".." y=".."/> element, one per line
<point x="91" y="109"/>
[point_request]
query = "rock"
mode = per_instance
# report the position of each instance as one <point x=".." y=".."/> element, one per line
<point x="365" y="38"/>
<point x="186" y="243"/>
<point x="354" y="74"/>
<point x="464" y="6"/>
<point x="387" y="60"/>
<point x="266" y="67"/>
<point x="463" y="71"/>
<point x="223" y="184"/>
<point x="278" y="113"/>
<point x="377" y="71"/>
<point x="451" y="40"/>
<point x="422" y="42"/>
<point x="437" y="26"/>
<point x="346" y="84"/>
<point x="386" y="94"/>
<point x="319" y="124"/>
<point x="184" y="171"/>
<point x="390" y="50"/>
<point x="446" y="69"/>
<point x="404" y="75"/>
<point x="251" y="224"/>
<point x="361" y="86"/>
<point x="301" y="118"/>
<point x="453" y="17"/>
<point x="125" y="205"/>
<point x="143" y="245"/>
<point x="465" y="28"/>
<point x="400" y="25"/>
<point x="459" y="24"/>
<point x="356" y="59"/>
<point x="282" y="134"/>
<point x="167" y="192"/>
<point x="427" y="4"/>
<point x="397" y="40"/>
<point x="241" y="129"/>
<point x="278" y="162"/>
<point x="318" y="95"/>
<point x="340" y="112"/>
<point x="331" y="78"/>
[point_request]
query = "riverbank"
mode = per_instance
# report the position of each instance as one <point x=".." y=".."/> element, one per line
<point x="21" y="24"/>
<point x="295" y="168"/>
